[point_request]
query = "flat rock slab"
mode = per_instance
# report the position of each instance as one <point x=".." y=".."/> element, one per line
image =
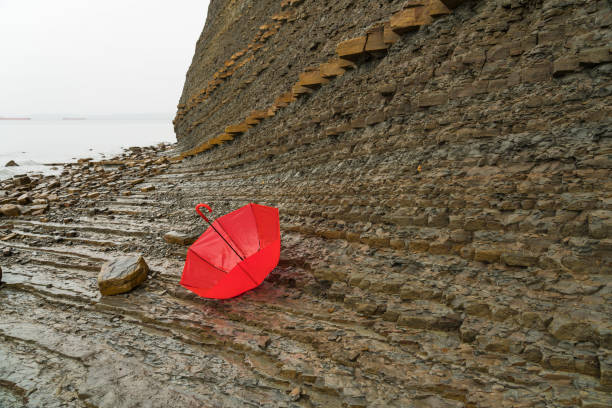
<point x="48" y="338"/>
<point x="122" y="275"/>
<point x="174" y="237"/>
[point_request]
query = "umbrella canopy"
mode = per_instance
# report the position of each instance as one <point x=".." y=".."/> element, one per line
<point x="235" y="254"/>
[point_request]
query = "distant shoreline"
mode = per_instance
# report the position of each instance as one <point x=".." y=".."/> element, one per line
<point x="38" y="145"/>
<point x="93" y="117"/>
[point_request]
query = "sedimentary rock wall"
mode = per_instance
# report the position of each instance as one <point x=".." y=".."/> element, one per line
<point x="446" y="164"/>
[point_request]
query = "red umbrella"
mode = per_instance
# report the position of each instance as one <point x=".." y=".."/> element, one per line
<point x="235" y="254"/>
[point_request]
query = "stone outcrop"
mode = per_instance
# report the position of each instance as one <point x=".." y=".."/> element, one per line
<point x="470" y="138"/>
<point x="442" y="170"/>
<point x="122" y="274"/>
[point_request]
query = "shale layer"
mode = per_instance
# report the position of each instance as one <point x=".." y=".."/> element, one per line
<point x="443" y="174"/>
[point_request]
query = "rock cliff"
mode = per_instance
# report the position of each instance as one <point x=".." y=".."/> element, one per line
<point x="446" y="163"/>
<point x="443" y="174"/>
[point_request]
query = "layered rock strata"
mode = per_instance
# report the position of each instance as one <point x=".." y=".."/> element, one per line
<point x="445" y="213"/>
<point x="473" y="137"/>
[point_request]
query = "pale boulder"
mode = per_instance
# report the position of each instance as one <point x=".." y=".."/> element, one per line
<point x="122" y="275"/>
<point x="10" y="210"/>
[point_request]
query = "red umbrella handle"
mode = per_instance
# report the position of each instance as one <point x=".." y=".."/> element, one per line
<point x="200" y="212"/>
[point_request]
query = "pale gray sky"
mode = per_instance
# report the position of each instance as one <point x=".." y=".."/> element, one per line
<point x="96" y="57"/>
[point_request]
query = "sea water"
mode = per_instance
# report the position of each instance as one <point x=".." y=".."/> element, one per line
<point x="34" y="143"/>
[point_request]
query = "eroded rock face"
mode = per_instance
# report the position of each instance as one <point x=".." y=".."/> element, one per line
<point x="122" y="275"/>
<point x="428" y="134"/>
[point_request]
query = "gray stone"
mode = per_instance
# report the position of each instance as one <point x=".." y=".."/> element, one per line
<point x="174" y="237"/>
<point x="22" y="180"/>
<point x="40" y="207"/>
<point x="565" y="327"/>
<point x="519" y="258"/>
<point x="122" y="275"/>
<point x="595" y="56"/>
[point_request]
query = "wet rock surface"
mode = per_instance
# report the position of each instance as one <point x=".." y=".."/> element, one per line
<point x="445" y="219"/>
<point x="339" y="323"/>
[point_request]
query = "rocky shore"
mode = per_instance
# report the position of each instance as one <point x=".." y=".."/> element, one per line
<point x="86" y="179"/>
<point x="442" y="171"/>
<point x="295" y="341"/>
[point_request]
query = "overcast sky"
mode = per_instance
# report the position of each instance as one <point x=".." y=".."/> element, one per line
<point x="96" y="57"/>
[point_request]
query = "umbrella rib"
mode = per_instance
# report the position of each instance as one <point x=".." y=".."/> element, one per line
<point x="228" y="244"/>
<point x="255" y="218"/>
<point x="241" y="258"/>
<point x="223" y="238"/>
<point x="247" y="274"/>
<point x="230" y="238"/>
<point x="217" y="268"/>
